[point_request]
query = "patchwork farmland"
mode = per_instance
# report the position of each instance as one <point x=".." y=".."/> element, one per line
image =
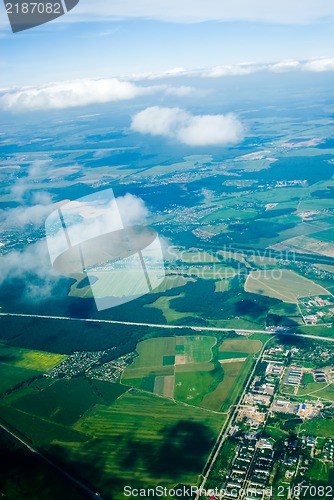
<point x="193" y="369"/>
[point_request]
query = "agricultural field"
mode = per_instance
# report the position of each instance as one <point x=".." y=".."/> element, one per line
<point x="285" y="314"/>
<point x="171" y="441"/>
<point x="282" y="284"/>
<point x="325" y="267"/>
<point x="10" y="376"/>
<point x="32" y="360"/>
<point x="224" y="395"/>
<point x="98" y="425"/>
<point x="327" y="235"/>
<point x="61" y="401"/>
<point x="18" y="365"/>
<point x="241" y="346"/>
<point x="194" y="369"/>
<point x="118" y="282"/>
<point x="307" y="244"/>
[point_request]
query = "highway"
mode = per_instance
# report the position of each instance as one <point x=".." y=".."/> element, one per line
<point x="170" y="327"/>
<point x="133" y="323"/>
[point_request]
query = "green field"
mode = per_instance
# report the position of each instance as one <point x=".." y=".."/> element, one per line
<point x="226" y="393"/>
<point x="327" y="235"/>
<point x="151" y="352"/>
<point x="241" y="346"/>
<point x="62" y="401"/>
<point x="118" y="281"/>
<point x="282" y="284"/>
<point x="19" y="365"/>
<point x="78" y="290"/>
<point x="191" y="386"/>
<point x="326" y="393"/>
<point x="220" y="215"/>
<point x="119" y="437"/>
<point x="307" y="385"/>
<point x="311" y="388"/>
<point x="319" y="471"/>
<point x="32" y="360"/>
<point x="319" y="427"/>
<point x="232" y="355"/>
<point x="193" y="369"/>
<point x="164" y="364"/>
<point x="10" y="376"/>
<point x="146" y="440"/>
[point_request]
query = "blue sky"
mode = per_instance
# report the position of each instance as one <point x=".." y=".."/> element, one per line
<point x="129" y="37"/>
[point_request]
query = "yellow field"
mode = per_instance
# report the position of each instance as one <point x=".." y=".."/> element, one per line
<point x="41" y="361"/>
<point x="31" y="360"/>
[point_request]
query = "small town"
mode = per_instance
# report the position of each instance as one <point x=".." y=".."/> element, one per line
<point x="259" y="453"/>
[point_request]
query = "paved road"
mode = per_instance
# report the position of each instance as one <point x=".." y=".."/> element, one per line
<point x="132" y="323"/>
<point x="171" y="327"/>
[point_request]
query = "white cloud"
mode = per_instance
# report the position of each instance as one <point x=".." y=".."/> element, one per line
<point x="189" y="11"/>
<point x="73" y="93"/>
<point x="212" y="130"/>
<point x="68" y="94"/>
<point x="232" y="70"/>
<point x="36" y="170"/>
<point x="20" y="217"/>
<point x="178" y="124"/>
<point x="181" y="91"/>
<point x="313" y="65"/>
<point x="132" y="209"/>
<point x="319" y="65"/>
<point x="285" y="66"/>
<point x="32" y="260"/>
<point x="157" y="120"/>
<point x="243" y="69"/>
<point x="162" y="74"/>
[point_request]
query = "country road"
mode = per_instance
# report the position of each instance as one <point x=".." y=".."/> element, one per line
<point x="171" y="327"/>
